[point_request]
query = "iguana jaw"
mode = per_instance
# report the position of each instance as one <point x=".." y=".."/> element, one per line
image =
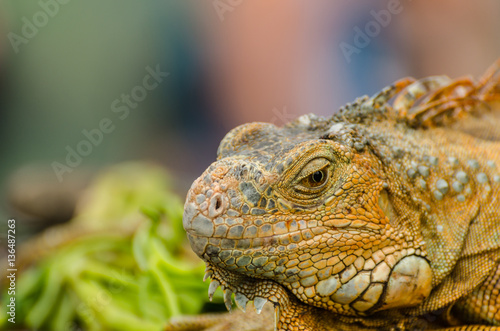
<point x="404" y="282"/>
<point x="246" y="289"/>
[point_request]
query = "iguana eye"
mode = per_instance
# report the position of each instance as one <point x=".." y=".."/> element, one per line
<point x="315" y="179"/>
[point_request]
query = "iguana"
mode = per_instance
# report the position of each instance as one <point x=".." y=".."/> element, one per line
<point x="385" y="216"/>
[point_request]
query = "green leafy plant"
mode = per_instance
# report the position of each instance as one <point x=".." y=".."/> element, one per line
<point x="108" y="277"/>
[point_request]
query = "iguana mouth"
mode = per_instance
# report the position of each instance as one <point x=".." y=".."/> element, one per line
<point x="247" y="289"/>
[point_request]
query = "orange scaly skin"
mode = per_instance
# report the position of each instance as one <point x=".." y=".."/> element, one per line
<point x="382" y="217"/>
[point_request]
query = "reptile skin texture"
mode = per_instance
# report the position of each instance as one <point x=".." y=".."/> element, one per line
<point x="385" y="216"/>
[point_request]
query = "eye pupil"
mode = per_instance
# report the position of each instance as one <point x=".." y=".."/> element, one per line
<point x="317" y="177"/>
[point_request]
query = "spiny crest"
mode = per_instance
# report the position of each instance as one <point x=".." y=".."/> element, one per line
<point x="428" y="102"/>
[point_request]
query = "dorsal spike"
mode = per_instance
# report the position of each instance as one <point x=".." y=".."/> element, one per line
<point x="407" y="98"/>
<point x="390" y="91"/>
<point x="438" y="100"/>
<point x="489" y="84"/>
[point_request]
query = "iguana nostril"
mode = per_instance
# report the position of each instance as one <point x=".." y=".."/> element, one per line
<point x="217" y="205"/>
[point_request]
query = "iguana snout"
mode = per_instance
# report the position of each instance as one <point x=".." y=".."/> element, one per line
<point x="219" y="205"/>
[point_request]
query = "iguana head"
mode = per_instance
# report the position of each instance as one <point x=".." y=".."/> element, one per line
<point x="330" y="215"/>
<point x="304" y="209"/>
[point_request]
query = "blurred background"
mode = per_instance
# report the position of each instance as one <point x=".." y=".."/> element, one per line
<point x="86" y="84"/>
<point x="64" y="63"/>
